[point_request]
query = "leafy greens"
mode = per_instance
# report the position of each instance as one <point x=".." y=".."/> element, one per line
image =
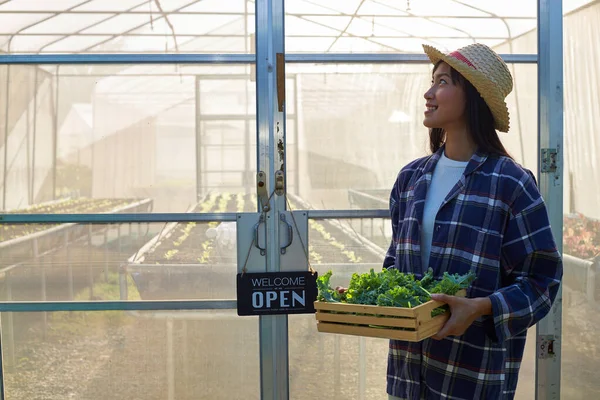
<point x="392" y="288"/>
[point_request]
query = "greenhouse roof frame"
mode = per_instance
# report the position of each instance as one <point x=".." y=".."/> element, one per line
<point x="209" y="26"/>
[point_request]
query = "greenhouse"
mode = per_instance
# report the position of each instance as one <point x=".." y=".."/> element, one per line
<point x="151" y="151"/>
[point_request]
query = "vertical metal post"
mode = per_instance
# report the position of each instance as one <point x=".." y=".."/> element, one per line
<point x="264" y="62"/>
<point x="550" y="135"/>
<point x="270" y="123"/>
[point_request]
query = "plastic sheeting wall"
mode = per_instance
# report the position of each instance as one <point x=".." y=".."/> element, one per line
<point x="361" y="138"/>
<point x="26" y="153"/>
<point x="581" y="111"/>
<point x="123" y="149"/>
<point x="360" y="129"/>
<point x="357" y="126"/>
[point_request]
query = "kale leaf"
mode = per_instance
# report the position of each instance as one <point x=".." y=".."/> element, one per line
<point x="451" y="284"/>
<point x="326" y="293"/>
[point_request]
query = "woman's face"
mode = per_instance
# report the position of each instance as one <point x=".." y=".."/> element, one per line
<point x="445" y="102"/>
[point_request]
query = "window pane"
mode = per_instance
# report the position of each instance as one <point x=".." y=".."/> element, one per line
<point x="102" y="355"/>
<point x="147" y="261"/>
<point x="111" y="26"/>
<point x="162" y="133"/>
<point x="580" y="374"/>
<point x="358" y="125"/>
<point x="355" y="366"/>
<point x="392" y="26"/>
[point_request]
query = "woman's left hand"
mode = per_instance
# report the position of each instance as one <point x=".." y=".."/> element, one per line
<point x="463" y="312"/>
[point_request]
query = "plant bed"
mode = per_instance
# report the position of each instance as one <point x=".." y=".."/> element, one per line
<point x="66" y="206"/>
<point x="22" y="242"/>
<point x="388" y="304"/>
<point x="195" y="260"/>
<point x="331" y="242"/>
<point x="189" y="242"/>
<point x="335" y="246"/>
<point x="185" y="261"/>
<point x="192" y="243"/>
<point x="581" y="236"/>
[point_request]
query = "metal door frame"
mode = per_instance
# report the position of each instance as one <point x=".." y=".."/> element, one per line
<point x="270" y="40"/>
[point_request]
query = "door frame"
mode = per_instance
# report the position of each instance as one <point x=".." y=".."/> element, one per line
<point x="270" y="39"/>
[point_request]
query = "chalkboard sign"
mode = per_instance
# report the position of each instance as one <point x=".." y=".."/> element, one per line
<point x="272" y="293"/>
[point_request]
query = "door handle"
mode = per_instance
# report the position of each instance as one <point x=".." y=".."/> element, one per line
<point x="256" y="239"/>
<point x="290" y="233"/>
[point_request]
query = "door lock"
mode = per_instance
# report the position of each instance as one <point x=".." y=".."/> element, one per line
<point x="263" y="194"/>
<point x="279" y="183"/>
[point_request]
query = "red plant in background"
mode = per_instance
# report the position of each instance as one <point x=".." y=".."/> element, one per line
<point x="581" y="236"/>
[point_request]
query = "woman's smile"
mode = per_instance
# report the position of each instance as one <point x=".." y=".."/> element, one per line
<point x="429" y="108"/>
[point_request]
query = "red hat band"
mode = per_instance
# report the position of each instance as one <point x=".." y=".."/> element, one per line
<point x="459" y="56"/>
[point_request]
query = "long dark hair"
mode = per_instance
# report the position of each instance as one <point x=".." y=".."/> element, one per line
<point x="480" y="121"/>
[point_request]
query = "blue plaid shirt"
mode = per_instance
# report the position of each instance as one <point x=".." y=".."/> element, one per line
<point x="493" y="222"/>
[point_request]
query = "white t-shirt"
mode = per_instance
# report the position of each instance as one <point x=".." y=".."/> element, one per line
<point x="446" y="174"/>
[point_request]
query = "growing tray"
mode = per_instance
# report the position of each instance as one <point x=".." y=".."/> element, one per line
<point x="408" y="324"/>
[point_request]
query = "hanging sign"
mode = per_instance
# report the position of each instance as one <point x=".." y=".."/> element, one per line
<point x="272" y="293"/>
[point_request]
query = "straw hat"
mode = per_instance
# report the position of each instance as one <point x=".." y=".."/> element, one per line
<point x="481" y="66"/>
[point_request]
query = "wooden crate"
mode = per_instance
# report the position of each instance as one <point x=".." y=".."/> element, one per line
<point x="409" y="324"/>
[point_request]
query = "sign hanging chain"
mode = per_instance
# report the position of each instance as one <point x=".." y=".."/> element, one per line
<point x="310" y="268"/>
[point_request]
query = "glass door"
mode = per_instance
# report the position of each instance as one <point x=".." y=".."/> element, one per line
<point x="127" y="148"/>
<point x="359" y="75"/>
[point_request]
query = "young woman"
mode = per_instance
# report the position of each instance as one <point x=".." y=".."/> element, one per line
<point x="470" y="207"/>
